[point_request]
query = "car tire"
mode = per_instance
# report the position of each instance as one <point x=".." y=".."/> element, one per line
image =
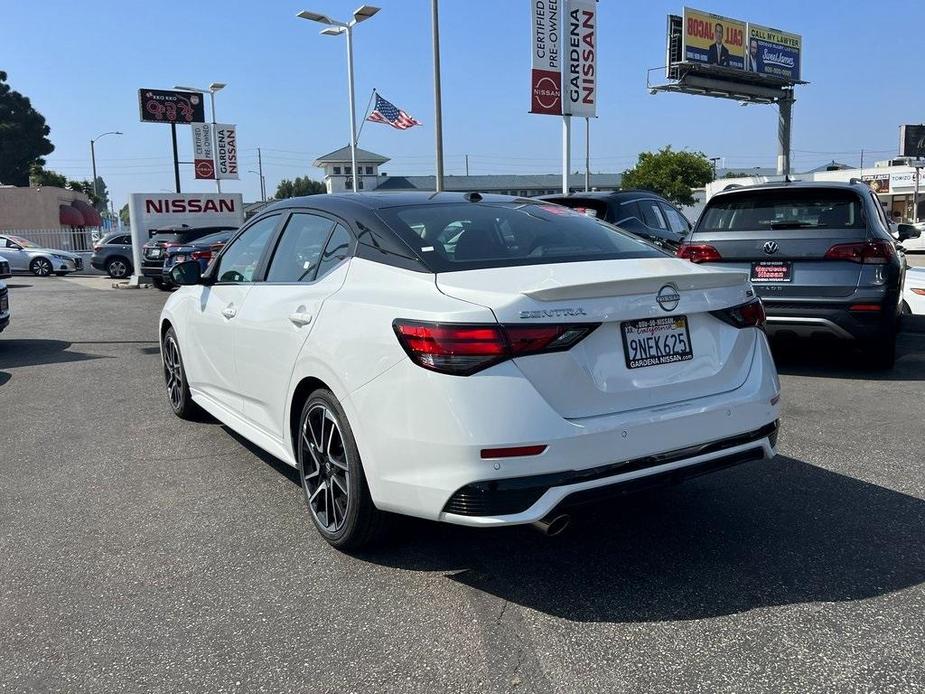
<point x="178" y="394"/>
<point x="332" y="477"/>
<point x="40" y="267"/>
<point x="881" y="353"/>
<point x="117" y="268"/>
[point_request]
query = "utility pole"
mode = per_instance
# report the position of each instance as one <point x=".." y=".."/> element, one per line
<point x="467" y="165"/>
<point x="587" y="154"/>
<point x="438" y="106"/>
<point x="862" y="162"/>
<point x="263" y="187"/>
<point x="713" y="161"/>
<point x="566" y="151"/>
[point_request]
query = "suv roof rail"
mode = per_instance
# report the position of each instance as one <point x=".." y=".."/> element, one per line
<point x="733" y="186"/>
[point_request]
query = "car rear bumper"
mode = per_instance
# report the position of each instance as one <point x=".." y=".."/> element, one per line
<point x="807" y="319"/>
<point x="149" y="269"/>
<point x="421" y="446"/>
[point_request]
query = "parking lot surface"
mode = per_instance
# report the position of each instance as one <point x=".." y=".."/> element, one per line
<point x="144" y="553"/>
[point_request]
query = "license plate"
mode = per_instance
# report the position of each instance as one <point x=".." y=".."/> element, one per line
<point x="154" y="253"/>
<point x="771" y="271"/>
<point x="656" y="341"/>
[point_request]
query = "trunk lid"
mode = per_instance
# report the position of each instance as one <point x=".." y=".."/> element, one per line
<point x="593" y="377"/>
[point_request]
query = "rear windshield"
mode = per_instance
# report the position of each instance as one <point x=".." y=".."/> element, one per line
<point x="467" y="236"/>
<point x="783" y="209"/>
<point x="587" y="206"/>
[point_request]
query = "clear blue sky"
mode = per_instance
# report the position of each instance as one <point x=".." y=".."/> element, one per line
<point x="82" y="63"/>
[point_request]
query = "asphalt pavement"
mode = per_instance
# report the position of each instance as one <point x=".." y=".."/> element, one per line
<point x="141" y="553"/>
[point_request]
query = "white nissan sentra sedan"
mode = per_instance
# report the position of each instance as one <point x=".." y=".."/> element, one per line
<point x="475" y="359"/>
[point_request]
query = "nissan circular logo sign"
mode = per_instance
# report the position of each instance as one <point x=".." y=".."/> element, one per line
<point x="771" y="247"/>
<point x="668" y="297"/>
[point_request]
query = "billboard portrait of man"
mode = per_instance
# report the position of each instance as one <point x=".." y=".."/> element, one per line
<point x="753" y="57"/>
<point x="718" y="54"/>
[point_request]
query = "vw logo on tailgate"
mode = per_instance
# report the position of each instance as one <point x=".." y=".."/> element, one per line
<point x="668" y="297"/>
<point x="771" y="247"/>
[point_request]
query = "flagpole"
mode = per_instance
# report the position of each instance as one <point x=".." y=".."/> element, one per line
<point x="438" y="108"/>
<point x="365" y="115"/>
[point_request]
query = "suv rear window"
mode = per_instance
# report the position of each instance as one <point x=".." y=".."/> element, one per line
<point x="821" y="208"/>
<point x="470" y="236"/>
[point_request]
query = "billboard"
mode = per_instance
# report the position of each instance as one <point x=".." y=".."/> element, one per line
<point x="168" y="106"/>
<point x="546" y="71"/>
<point x="912" y="141"/>
<point x="713" y="40"/>
<point x="773" y="52"/>
<point x="226" y="151"/>
<point x="579" y="68"/>
<point x="203" y="152"/>
<point x="879" y="183"/>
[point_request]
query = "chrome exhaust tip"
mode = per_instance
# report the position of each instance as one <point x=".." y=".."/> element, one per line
<point x="553" y="524"/>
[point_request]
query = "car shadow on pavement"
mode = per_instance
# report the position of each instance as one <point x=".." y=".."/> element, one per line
<point x="835" y="359"/>
<point x="14" y="353"/>
<point x="764" y="534"/>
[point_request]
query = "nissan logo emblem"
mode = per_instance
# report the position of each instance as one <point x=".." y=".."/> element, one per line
<point x="771" y="247"/>
<point x="668" y="297"/>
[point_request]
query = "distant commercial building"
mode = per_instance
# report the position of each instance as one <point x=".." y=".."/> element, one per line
<point x="338" y="176"/>
<point x="45" y="207"/>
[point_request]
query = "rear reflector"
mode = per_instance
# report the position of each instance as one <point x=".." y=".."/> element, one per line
<point x="699" y="252"/>
<point x="867" y="252"/>
<point x="748" y="315"/>
<point x="462" y="349"/>
<point x="867" y="308"/>
<point x="512" y="452"/>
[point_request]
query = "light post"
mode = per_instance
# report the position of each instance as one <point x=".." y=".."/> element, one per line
<point x="336" y="28"/>
<point x="214" y="87"/>
<point x="263" y="188"/>
<point x="96" y="189"/>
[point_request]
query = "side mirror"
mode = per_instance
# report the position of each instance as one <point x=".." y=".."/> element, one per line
<point x="907" y="231"/>
<point x="186" y="273"/>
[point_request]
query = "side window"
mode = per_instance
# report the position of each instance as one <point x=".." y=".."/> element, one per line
<point x="338" y="249"/>
<point x="652" y="214"/>
<point x="124" y="240"/>
<point x="676" y="222"/>
<point x="299" y="250"/>
<point x="880" y="212"/>
<point x="239" y="262"/>
<point x="627" y="210"/>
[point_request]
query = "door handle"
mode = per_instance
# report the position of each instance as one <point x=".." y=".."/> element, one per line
<point x="300" y="318"/>
<point x="229" y="312"/>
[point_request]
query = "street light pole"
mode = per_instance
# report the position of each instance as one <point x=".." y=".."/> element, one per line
<point x="96" y="188"/>
<point x="336" y="28"/>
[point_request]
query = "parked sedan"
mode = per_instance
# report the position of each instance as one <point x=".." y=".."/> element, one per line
<point x="113" y="255"/>
<point x="4" y="306"/>
<point x="479" y="360"/>
<point x="638" y="211"/>
<point x="5" y="271"/>
<point x="202" y="251"/>
<point x="154" y="251"/>
<point x="914" y="290"/>
<point x="25" y="256"/>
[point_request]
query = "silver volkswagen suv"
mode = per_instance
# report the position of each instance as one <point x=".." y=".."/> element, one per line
<point x="820" y="255"/>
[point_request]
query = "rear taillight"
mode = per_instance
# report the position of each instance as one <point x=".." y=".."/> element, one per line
<point x="916" y="290"/>
<point x="462" y="349"/>
<point x="699" y="252"/>
<point x="868" y="252"/>
<point x="201" y="255"/>
<point x="748" y="315"/>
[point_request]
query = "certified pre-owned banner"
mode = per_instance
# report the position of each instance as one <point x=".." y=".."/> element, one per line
<point x="203" y="156"/>
<point x="546" y="72"/>
<point x="579" y="74"/>
<point x="773" y="52"/>
<point x="714" y="40"/>
<point x="226" y="151"/>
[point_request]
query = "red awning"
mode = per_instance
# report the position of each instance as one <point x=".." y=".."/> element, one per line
<point x="90" y="215"/>
<point x="70" y="216"/>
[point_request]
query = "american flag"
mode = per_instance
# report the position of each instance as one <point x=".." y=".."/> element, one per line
<point x="387" y="112"/>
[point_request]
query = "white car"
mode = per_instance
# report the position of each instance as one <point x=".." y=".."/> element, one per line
<point x="914" y="290"/>
<point x="481" y="360"/>
<point x="25" y="256"/>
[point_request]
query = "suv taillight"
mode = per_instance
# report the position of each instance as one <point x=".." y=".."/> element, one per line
<point x="462" y="349"/>
<point x="868" y="252"/>
<point x="748" y="315"/>
<point x="201" y="255"/>
<point x="698" y="252"/>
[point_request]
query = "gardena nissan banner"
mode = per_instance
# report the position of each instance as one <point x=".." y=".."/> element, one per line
<point x="546" y="73"/>
<point x="579" y="71"/>
<point x="226" y="151"/>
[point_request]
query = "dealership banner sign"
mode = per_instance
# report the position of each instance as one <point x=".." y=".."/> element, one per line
<point x="203" y="151"/>
<point x="168" y="106"/>
<point x="713" y="40"/>
<point x="226" y="151"/>
<point x="773" y="52"/>
<point x="579" y="72"/>
<point x="546" y="72"/>
<point x="149" y="211"/>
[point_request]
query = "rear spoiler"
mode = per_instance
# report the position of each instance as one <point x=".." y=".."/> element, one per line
<point x="710" y="279"/>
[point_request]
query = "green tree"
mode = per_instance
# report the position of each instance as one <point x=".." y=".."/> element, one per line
<point x="123" y="215"/>
<point x="40" y="176"/>
<point x="301" y="185"/>
<point x="23" y="136"/>
<point x="670" y="174"/>
<point x="102" y="203"/>
<point x="86" y="188"/>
